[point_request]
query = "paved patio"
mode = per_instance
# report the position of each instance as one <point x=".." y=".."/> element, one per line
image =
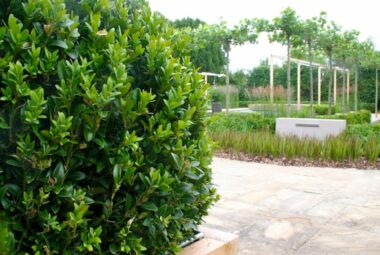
<point x="297" y="210"/>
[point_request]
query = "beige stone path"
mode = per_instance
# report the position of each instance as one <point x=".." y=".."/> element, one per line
<point x="297" y="210"/>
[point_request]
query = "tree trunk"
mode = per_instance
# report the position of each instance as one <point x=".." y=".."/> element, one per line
<point x="344" y="88"/>
<point x="356" y="87"/>
<point x="330" y="81"/>
<point x="228" y="81"/>
<point x="288" y="81"/>
<point x="377" y="92"/>
<point x="311" y="79"/>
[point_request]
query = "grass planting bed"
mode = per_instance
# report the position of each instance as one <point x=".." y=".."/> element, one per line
<point x="252" y="138"/>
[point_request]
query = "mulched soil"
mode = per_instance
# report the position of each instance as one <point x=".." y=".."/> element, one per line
<point x="359" y="164"/>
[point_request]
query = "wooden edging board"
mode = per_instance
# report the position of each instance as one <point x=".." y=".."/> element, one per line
<point x="215" y="242"/>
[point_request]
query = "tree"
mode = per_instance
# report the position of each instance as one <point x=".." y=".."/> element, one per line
<point x="286" y="30"/>
<point x="309" y="34"/>
<point x="343" y="53"/>
<point x="245" y="31"/>
<point x="372" y="61"/>
<point x="187" y="23"/>
<point x="329" y="41"/>
<point x="358" y="55"/>
<point x="205" y="48"/>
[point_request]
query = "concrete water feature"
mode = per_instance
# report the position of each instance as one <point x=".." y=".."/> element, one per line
<point x="280" y="210"/>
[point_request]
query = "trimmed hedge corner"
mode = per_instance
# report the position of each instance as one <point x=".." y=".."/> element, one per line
<point x="102" y="132"/>
<point x="323" y="109"/>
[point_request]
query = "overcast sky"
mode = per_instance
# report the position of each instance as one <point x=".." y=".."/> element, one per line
<point x="363" y="16"/>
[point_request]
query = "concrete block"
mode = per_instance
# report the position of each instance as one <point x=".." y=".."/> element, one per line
<point x="311" y="128"/>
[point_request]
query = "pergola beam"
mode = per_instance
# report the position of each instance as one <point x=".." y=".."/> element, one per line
<point x="306" y="63"/>
<point x="206" y="74"/>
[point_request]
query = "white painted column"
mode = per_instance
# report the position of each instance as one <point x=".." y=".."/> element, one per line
<point x="319" y="84"/>
<point x="335" y="87"/>
<point x="299" y="87"/>
<point x="271" y="81"/>
<point x="348" y="89"/>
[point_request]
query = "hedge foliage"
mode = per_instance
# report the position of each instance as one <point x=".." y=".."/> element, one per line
<point x="364" y="131"/>
<point x="241" y="122"/>
<point x="359" y="117"/>
<point x="323" y="109"/>
<point x="352" y="118"/>
<point x="102" y="132"/>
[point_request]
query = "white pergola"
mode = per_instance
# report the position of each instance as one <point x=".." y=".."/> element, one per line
<point x="206" y="74"/>
<point x="306" y="63"/>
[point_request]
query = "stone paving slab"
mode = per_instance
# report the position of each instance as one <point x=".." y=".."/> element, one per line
<point x="297" y="210"/>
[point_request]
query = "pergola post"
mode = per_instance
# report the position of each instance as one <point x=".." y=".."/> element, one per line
<point x="305" y="63"/>
<point x="299" y="86"/>
<point x="319" y="84"/>
<point x="335" y="86"/>
<point x="271" y="81"/>
<point x="377" y="92"/>
<point x="348" y="89"/>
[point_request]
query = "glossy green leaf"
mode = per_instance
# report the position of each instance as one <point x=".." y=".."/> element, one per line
<point x="76" y="176"/>
<point x="117" y="174"/>
<point x="59" y="43"/>
<point x="150" y="206"/>
<point x="59" y="173"/>
<point x="88" y="134"/>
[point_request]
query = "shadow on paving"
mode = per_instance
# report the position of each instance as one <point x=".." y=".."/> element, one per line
<point x="297" y="210"/>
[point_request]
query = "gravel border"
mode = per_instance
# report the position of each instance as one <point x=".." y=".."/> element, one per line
<point x="361" y="164"/>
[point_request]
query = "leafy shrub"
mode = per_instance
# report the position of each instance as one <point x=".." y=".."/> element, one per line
<point x="359" y="117"/>
<point x="102" y="136"/>
<point x="240" y="122"/>
<point x="324" y="109"/>
<point x="364" y="131"/>
<point x="368" y="106"/>
<point x="352" y="118"/>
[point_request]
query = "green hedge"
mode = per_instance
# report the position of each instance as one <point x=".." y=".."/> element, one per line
<point x="102" y="132"/>
<point x="359" y="117"/>
<point x="240" y="122"/>
<point x="352" y="118"/>
<point x="324" y="109"/>
<point x="364" y="131"/>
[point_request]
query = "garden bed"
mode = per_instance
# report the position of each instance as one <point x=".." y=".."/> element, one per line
<point x="252" y="137"/>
